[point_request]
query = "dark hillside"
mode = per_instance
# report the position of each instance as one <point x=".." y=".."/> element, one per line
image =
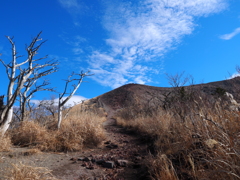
<point x="136" y="94"/>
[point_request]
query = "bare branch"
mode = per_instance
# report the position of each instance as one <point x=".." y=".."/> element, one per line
<point x="22" y="81"/>
<point x="62" y="102"/>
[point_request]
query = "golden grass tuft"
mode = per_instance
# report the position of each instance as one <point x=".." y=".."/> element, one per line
<point x="6" y="143"/>
<point x="28" y="133"/>
<point x="32" y="151"/>
<point x="23" y="172"/>
<point x="77" y="131"/>
<point x="160" y="167"/>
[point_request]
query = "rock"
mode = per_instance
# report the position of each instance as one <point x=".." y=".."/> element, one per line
<point x="122" y="163"/>
<point x="109" y="164"/>
<point x="112" y="146"/>
<point x="73" y="159"/>
<point x="87" y="159"/>
<point x="100" y="162"/>
<point x="81" y="159"/>
<point x="107" y="142"/>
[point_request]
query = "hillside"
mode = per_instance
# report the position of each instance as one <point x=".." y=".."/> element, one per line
<point x="136" y="94"/>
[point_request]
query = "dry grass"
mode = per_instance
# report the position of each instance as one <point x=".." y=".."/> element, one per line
<point x="193" y="140"/>
<point x="5" y="142"/>
<point x="28" y="133"/>
<point x="23" y="172"/>
<point x="78" y="130"/>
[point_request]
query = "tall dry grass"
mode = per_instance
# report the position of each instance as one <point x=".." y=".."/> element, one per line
<point x="78" y="130"/>
<point x="197" y="139"/>
<point x="21" y="171"/>
<point x="6" y="143"/>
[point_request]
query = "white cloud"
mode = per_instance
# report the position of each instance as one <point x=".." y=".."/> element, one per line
<point x="75" y="100"/>
<point x="72" y="6"/>
<point x="234" y="75"/>
<point x="77" y="51"/>
<point x="71" y="102"/>
<point x="143" y="31"/>
<point x="230" y="35"/>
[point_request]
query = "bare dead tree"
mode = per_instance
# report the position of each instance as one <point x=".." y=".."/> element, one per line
<point x="1" y="103"/>
<point x="177" y="80"/>
<point x="63" y="101"/>
<point x="238" y="69"/>
<point x="50" y="106"/>
<point x="20" y="73"/>
<point x="30" y="88"/>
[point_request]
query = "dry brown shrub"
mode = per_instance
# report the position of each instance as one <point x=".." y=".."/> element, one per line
<point x="199" y="140"/>
<point x="160" y="167"/>
<point x="75" y="132"/>
<point x="28" y="133"/>
<point x="6" y="143"/>
<point x="88" y="127"/>
<point x="22" y="172"/>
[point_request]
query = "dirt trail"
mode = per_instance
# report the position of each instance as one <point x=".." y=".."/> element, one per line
<point x="120" y="156"/>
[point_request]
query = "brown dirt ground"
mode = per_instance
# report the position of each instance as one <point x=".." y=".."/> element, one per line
<point x="122" y="145"/>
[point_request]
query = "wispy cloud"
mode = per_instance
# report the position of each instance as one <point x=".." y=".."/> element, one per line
<point x="71" y="102"/>
<point x="141" y="32"/>
<point x="138" y="33"/>
<point x="230" y="35"/>
<point x="72" y="6"/>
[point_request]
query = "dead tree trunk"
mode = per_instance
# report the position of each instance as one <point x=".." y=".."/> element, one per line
<point x="19" y="74"/>
<point x="62" y="102"/>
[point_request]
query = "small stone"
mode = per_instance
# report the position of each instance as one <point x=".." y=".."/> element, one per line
<point x="109" y="146"/>
<point x="100" y="162"/>
<point x="114" y="146"/>
<point x="122" y="163"/>
<point x="87" y="159"/>
<point x="109" y="164"/>
<point x="107" y="142"/>
<point x="81" y="159"/>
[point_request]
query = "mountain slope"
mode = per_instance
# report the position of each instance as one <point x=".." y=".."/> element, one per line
<point x="136" y="94"/>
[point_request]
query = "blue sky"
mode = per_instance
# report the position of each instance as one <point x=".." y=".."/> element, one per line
<point x="126" y="41"/>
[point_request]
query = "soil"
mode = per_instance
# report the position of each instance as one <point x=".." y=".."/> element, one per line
<point x="122" y="155"/>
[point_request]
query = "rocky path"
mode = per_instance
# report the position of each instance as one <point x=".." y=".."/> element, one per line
<point x="120" y="157"/>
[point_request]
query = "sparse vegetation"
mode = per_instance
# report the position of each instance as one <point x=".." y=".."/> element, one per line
<point x="5" y="143"/>
<point x="194" y="139"/>
<point x="21" y="171"/>
<point x="78" y="130"/>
